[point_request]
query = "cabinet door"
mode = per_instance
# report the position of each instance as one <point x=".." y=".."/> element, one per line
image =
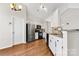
<point x="36" y="35"/>
<point x="52" y="44"/>
<point x="59" y="46"/>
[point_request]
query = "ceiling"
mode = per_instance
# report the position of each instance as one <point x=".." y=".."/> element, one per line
<point x="36" y="13"/>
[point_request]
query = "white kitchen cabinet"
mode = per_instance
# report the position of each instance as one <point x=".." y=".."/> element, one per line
<point x="59" y="46"/>
<point x="56" y="45"/>
<point x="44" y="36"/>
<point x="52" y="44"/>
<point x="36" y="35"/>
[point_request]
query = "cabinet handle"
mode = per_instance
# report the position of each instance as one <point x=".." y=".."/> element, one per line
<point x="55" y="44"/>
<point x="52" y="37"/>
<point x="62" y="47"/>
<point x="57" y="40"/>
<point x="50" y="41"/>
<point x="13" y="32"/>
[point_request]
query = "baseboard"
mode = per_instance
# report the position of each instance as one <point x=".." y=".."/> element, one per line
<point x="5" y="47"/>
<point x="12" y="46"/>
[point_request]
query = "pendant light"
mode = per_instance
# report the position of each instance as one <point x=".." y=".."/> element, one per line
<point x="15" y="7"/>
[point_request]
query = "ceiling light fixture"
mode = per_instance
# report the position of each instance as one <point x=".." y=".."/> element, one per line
<point x="15" y="7"/>
<point x="43" y="7"/>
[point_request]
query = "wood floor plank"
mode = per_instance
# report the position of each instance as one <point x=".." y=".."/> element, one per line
<point x="35" y="48"/>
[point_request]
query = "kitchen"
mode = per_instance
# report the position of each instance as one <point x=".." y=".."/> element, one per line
<point x="51" y="22"/>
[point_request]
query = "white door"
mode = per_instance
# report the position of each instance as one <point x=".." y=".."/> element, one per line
<point x="18" y="31"/>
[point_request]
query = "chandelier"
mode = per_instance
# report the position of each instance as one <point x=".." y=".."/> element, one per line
<point x="15" y="7"/>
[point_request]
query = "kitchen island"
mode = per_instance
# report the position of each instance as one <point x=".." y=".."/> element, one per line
<point x="57" y="44"/>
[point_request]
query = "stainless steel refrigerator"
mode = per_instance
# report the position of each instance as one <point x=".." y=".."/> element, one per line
<point x="30" y="32"/>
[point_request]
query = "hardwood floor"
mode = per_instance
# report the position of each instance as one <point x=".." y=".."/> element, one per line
<point x="35" y="48"/>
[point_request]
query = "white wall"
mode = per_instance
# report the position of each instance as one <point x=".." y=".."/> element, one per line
<point x="47" y="27"/>
<point x="5" y="32"/>
<point x="6" y="17"/>
<point x="55" y="19"/>
<point x="36" y="21"/>
<point x="73" y="43"/>
<point x="52" y="21"/>
<point x="71" y="16"/>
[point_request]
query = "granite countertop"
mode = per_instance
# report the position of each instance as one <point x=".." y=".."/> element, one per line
<point x="70" y="29"/>
<point x="57" y="35"/>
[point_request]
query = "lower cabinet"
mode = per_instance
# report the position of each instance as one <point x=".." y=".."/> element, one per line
<point x="36" y="35"/>
<point x="59" y="47"/>
<point x="56" y="45"/>
<point x="52" y="44"/>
